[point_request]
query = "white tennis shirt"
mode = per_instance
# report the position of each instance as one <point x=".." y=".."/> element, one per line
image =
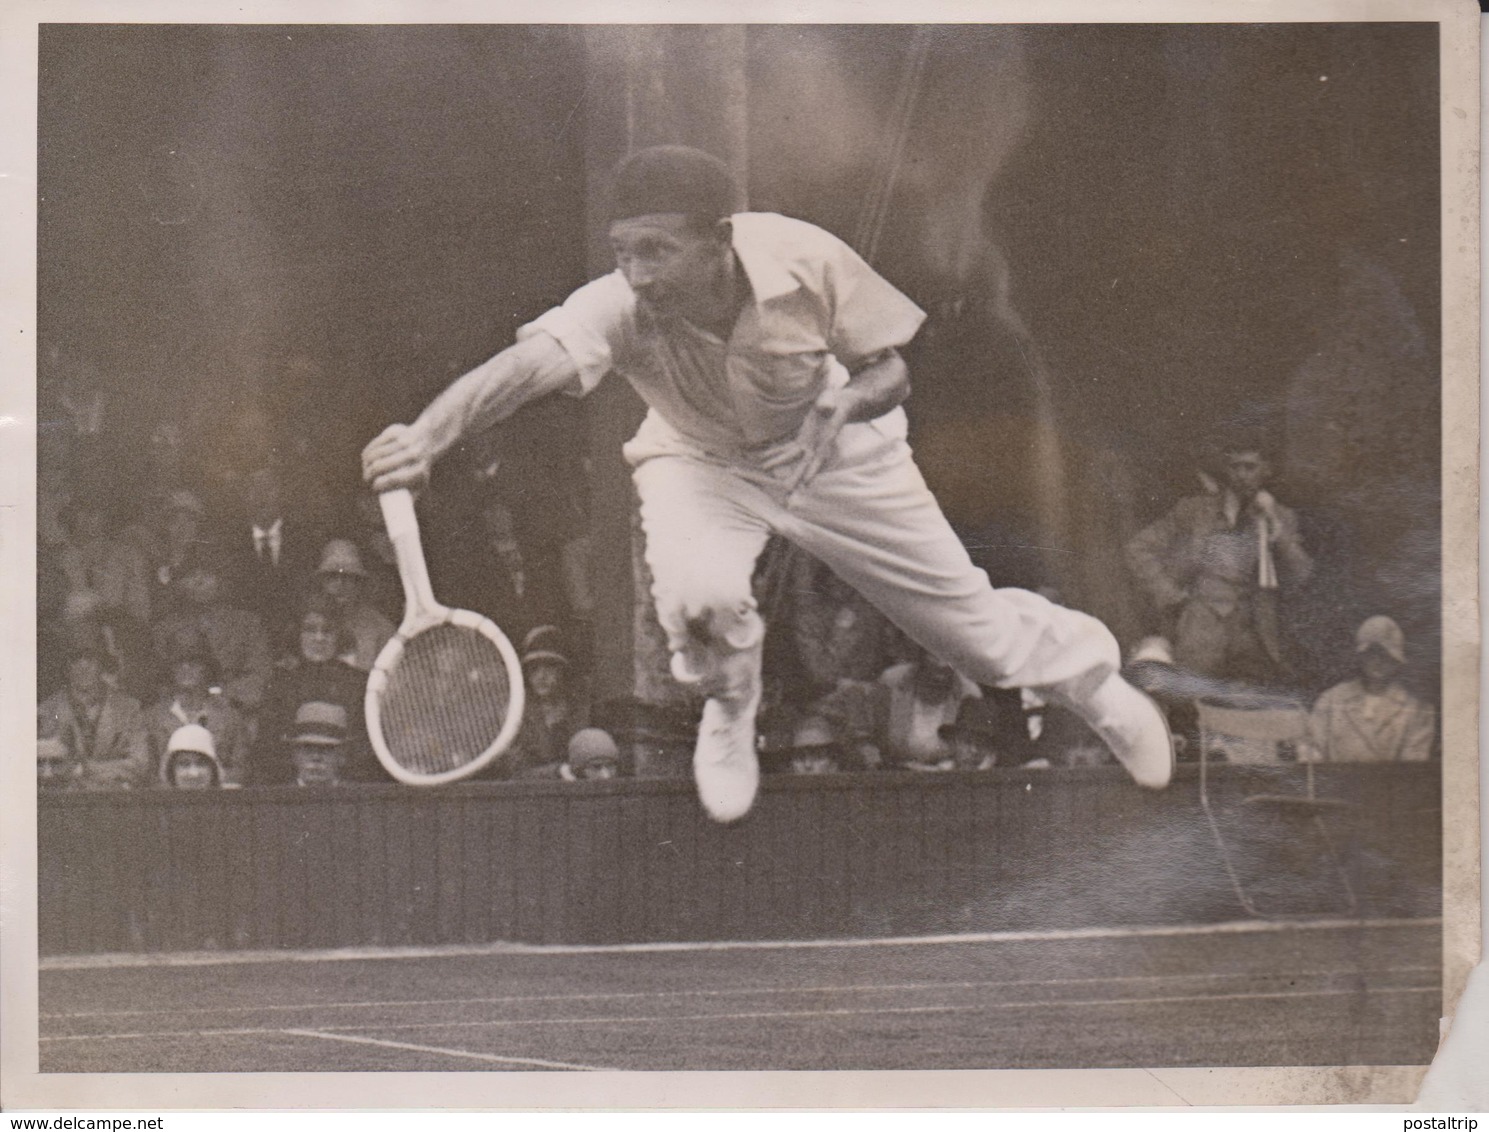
<point x="815" y="308"/>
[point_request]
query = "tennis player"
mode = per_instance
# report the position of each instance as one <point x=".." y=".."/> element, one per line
<point x="767" y="353"/>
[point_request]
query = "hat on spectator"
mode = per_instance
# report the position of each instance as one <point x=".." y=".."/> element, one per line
<point x="192" y="737"/>
<point x="672" y="178"/>
<point x="52" y="749"/>
<point x="590" y="747"/>
<point x="974" y="719"/>
<point x="341" y="557"/>
<point x="542" y="637"/>
<point x="1156" y="650"/>
<point x="1382" y="633"/>
<point x="812" y="731"/>
<point x="182" y="500"/>
<point x="320" y="724"/>
<point x="545" y="656"/>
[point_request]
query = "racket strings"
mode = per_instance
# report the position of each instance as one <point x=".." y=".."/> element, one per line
<point x="445" y="701"/>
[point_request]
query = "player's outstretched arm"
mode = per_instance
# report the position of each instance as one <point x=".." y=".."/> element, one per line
<point x="402" y="454"/>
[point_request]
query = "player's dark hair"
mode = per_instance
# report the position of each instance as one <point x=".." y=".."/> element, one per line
<point x="674" y="179"/>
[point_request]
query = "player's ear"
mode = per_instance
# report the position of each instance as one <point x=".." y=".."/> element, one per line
<point x="723" y="231"/>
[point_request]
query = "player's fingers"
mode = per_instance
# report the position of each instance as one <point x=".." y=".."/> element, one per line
<point x="411" y="479"/>
<point x="387" y="461"/>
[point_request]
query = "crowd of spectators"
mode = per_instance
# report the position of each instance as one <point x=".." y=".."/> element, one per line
<point x="210" y="635"/>
<point x="216" y="630"/>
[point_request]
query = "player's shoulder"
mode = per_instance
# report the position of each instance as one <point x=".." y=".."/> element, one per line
<point x="610" y="291"/>
<point x="787" y="238"/>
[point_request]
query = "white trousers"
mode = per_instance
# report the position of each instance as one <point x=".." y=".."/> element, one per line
<point x="867" y="515"/>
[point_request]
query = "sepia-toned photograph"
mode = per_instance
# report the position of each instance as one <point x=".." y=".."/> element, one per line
<point x="745" y="547"/>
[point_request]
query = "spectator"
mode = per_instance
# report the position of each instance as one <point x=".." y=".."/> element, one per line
<point x="1214" y="566"/>
<point x="193" y="700"/>
<point x="974" y="738"/>
<point x="317" y="672"/>
<point x="1373" y="718"/>
<point x="591" y="756"/>
<point x="383" y="587"/>
<point x="1058" y="737"/>
<point x="317" y="744"/>
<point x="102" y="727"/>
<point x="271" y="549"/>
<point x="56" y="769"/>
<point x="104" y="573"/>
<point x="924" y="694"/>
<point x="342" y="579"/>
<point x="839" y="635"/>
<point x="551" y="717"/>
<point x="234" y="637"/>
<point x="814" y="747"/>
<point x="190" y="761"/>
<point x="173" y="535"/>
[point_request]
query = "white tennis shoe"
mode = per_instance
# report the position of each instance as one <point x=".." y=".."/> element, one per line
<point x="1129" y="723"/>
<point x="725" y="765"/>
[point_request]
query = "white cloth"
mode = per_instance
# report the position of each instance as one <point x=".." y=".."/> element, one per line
<point x="870" y="518"/>
<point x="817" y="308"/>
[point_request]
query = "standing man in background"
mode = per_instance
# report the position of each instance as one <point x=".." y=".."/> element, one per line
<point x="1214" y="568"/>
<point x="767" y="352"/>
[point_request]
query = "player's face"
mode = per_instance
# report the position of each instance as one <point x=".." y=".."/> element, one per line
<point x="669" y="263"/>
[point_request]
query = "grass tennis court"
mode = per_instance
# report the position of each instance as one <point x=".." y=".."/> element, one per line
<point x="1317" y="993"/>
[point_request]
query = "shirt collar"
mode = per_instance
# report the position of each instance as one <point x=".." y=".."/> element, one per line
<point x="768" y="277"/>
<point x="271" y="530"/>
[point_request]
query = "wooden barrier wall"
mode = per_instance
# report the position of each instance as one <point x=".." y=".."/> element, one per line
<point x="628" y="861"/>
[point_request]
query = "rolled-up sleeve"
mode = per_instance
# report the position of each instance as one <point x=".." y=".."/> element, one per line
<point x="590" y="325"/>
<point x="868" y="314"/>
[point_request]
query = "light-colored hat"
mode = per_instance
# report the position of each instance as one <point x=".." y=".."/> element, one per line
<point x="320" y="724"/>
<point x="591" y="746"/>
<point x="1383" y="633"/>
<point x="1154" y="649"/>
<point x="192" y="737"/>
<point x="341" y="557"/>
<point x="545" y="656"/>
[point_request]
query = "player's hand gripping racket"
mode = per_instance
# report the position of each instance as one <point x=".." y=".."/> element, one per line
<point x="445" y="695"/>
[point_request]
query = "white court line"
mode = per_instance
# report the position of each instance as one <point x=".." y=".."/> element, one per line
<point x="1035" y="1004"/>
<point x="446" y="1051"/>
<point x="452" y="951"/>
<point x="732" y="992"/>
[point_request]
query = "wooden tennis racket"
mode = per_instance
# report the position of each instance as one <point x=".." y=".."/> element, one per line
<point x="445" y="695"/>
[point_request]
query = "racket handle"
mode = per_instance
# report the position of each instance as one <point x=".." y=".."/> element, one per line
<point x="403" y="532"/>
